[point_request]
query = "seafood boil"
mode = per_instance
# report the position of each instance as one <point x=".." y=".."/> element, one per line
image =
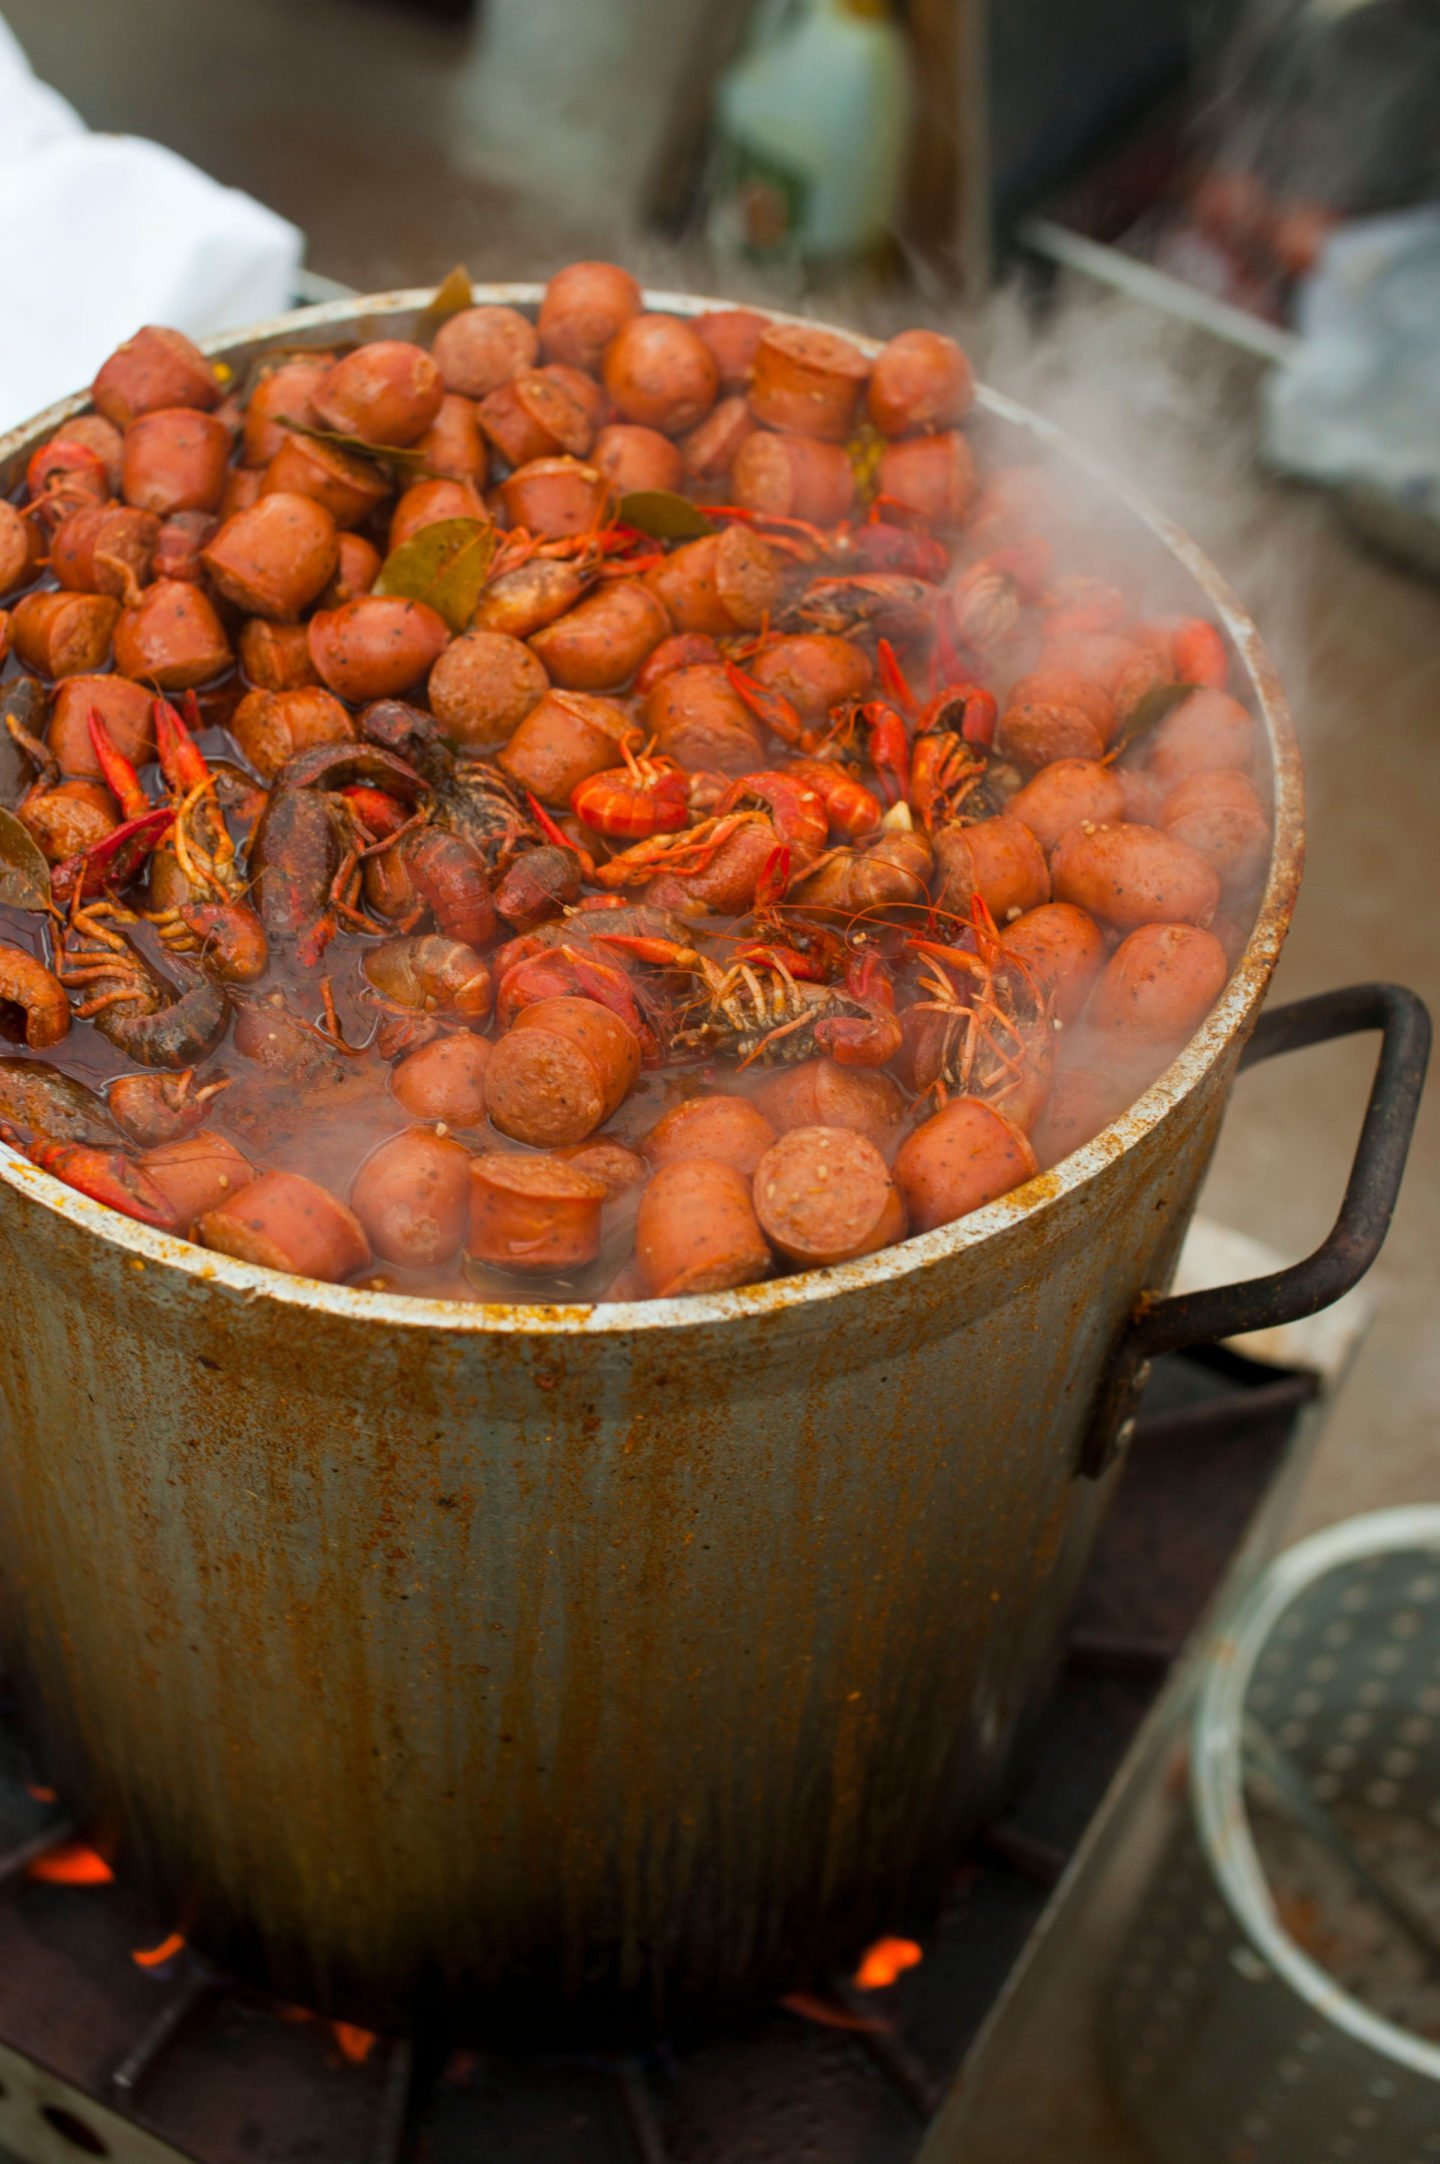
<point x="604" y="807"/>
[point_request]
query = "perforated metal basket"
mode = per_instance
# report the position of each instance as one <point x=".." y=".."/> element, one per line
<point x="1227" y="2043"/>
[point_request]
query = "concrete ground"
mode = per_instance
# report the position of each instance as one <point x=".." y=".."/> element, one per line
<point x="402" y="147"/>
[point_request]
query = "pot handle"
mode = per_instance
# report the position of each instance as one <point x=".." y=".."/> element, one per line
<point x="1161" y="1325"/>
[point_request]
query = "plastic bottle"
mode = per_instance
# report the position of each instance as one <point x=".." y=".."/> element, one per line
<point x="812" y="124"/>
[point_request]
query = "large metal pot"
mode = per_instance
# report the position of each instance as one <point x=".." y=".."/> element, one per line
<point x="614" y="1656"/>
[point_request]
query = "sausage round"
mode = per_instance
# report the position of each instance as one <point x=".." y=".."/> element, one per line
<point x="444" y="1079"/>
<point x="999" y="859"/>
<point x="698" y="720"/>
<point x="920" y="381"/>
<point x="793" y="477"/>
<point x="733" y="1129"/>
<point x="564" y="739"/>
<point x="197" y="1172"/>
<point x="174" y="460"/>
<point x="376" y="646"/>
<point x="157" y="367"/>
<point x="660" y="373"/>
<point x="1220" y="814"/>
<point x="350" y="488"/>
<point x="1062" y="951"/>
<point x="814" y="670"/>
<point x="1132" y="875"/>
<point x="273" y="559"/>
<point x="65" y="634"/>
<point x="824" y="1194"/>
<point x="697" y="1230"/>
<point x="821" y="1093"/>
<point x="386" y="392"/>
<point x="478" y="349"/>
<point x="537" y="1215"/>
<point x="1063" y="794"/>
<point x="286" y="1222"/>
<point x="963" y="1156"/>
<point x="124" y="707"/>
<point x="560" y="1071"/>
<point x="1160" y="983"/>
<point x="556" y="497"/>
<point x="483" y="686"/>
<point x="632" y="457"/>
<point x="271" y="726"/>
<point x="581" y="310"/>
<point x="931" y="477"/>
<point x="806" y="381"/>
<point x="602" y="641"/>
<point x="412" y="1195"/>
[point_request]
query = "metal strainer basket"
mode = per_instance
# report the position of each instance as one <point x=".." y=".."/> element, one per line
<point x="1228" y="2043"/>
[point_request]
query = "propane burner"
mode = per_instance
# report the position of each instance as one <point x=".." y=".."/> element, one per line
<point x="117" y="2043"/>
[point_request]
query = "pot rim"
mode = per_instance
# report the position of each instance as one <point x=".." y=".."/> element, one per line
<point x="1217" y="1786"/>
<point x="1232" y="1015"/>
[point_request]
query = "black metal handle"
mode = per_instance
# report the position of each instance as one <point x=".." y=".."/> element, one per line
<point x="1161" y="1325"/>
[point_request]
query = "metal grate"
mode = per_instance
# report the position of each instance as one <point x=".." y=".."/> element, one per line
<point x="102" y="2057"/>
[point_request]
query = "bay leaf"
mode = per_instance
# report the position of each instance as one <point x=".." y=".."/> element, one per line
<point x="402" y="456"/>
<point x="444" y="564"/>
<point x="663" y="515"/>
<point x="453" y="293"/>
<point x="24" y="874"/>
<point x="1148" y="712"/>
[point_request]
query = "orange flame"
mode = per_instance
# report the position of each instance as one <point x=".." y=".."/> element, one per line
<point x="355" y="2044"/>
<point x="830" y="2015"/>
<point x="152" y="1957"/>
<point x="71" y="1864"/>
<point x="40" y="1794"/>
<point x="886" y="1962"/>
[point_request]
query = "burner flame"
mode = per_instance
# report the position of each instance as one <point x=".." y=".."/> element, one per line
<point x="886" y="1962"/>
<point x="154" y="1957"/>
<point x="70" y="1864"/>
<point x="39" y="1793"/>
<point x="355" y="2044"/>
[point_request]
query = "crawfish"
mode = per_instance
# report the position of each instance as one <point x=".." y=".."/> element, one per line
<point x="471" y="797"/>
<point x="883" y="601"/>
<point x="984" y="1028"/>
<point x="194" y="876"/>
<point x="130" y="1003"/>
<point x="760" y="1011"/>
<point x="308" y="848"/>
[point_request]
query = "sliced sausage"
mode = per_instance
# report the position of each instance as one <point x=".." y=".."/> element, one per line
<point x="602" y="641"/>
<point x="563" y="740"/>
<point x="963" y="1156"/>
<point x="274" y="559"/>
<point x="999" y="859"/>
<point x="478" y="349"/>
<point x="697" y="1230"/>
<point x="793" y="477"/>
<point x="733" y="1129"/>
<point x="1062" y="952"/>
<point x="700" y="721"/>
<point x="376" y="646"/>
<point x="197" y="1172"/>
<point x="824" y="1194"/>
<point x="1063" y="794"/>
<point x="919" y="381"/>
<point x="1132" y="875"/>
<point x="807" y="381"/>
<point x="388" y="391"/>
<point x="821" y="1093"/>
<point x="483" y="686"/>
<point x="286" y="1222"/>
<point x="65" y="634"/>
<point x="535" y="1215"/>
<point x="444" y="1079"/>
<point x="632" y="457"/>
<point x="412" y="1196"/>
<point x="581" y="310"/>
<point x="157" y="367"/>
<point x="1160" y="983"/>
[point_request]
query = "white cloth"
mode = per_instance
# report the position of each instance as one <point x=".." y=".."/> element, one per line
<point x="101" y="233"/>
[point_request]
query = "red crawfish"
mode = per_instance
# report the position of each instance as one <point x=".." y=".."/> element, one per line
<point x="886" y="741"/>
<point x="107" y="1176"/>
<point x="760" y="1011"/>
<point x="194" y="876"/>
<point x="983" y="1028"/>
<point x="143" y="1016"/>
<point x="647" y="795"/>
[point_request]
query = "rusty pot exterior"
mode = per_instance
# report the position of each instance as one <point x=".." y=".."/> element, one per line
<point x="616" y="1655"/>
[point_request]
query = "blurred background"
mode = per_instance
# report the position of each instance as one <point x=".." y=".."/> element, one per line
<point x="1202" y="234"/>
